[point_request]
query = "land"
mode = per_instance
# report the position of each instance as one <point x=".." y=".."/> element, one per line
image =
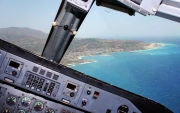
<point x="34" y="40"/>
<point x="27" y="38"/>
<point x="93" y="46"/>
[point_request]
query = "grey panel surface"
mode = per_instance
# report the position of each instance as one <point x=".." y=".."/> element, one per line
<point x="62" y="95"/>
<point x="29" y="66"/>
<point x="40" y="84"/>
<point x="104" y="101"/>
<point x="14" y="71"/>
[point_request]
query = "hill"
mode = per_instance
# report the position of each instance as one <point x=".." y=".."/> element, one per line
<point x="34" y="40"/>
<point x="17" y="32"/>
<point x="27" y="38"/>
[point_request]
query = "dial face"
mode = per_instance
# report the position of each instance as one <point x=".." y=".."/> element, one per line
<point x="49" y="111"/>
<point x="21" y="111"/>
<point x="26" y="101"/>
<point x="38" y="106"/>
<point x="11" y="100"/>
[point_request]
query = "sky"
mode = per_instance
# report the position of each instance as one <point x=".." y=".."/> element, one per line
<point x="99" y="23"/>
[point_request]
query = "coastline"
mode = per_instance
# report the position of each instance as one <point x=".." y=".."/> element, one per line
<point x="152" y="46"/>
<point x="85" y="62"/>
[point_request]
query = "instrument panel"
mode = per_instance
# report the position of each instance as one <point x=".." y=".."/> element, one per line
<point x="16" y="101"/>
<point x="29" y="83"/>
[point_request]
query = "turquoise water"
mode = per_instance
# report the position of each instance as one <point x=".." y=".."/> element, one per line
<point x="154" y="74"/>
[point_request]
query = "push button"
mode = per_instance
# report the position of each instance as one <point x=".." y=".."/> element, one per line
<point x="55" y="77"/>
<point x="35" y="69"/>
<point x="42" y="72"/>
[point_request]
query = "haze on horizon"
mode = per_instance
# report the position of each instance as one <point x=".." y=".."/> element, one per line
<point x="99" y="23"/>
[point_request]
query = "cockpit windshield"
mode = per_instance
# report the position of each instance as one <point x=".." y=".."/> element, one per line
<point x="27" y="23"/>
<point x="137" y="53"/>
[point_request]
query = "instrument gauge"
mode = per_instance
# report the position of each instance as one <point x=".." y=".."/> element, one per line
<point x="38" y="106"/>
<point x="26" y="101"/>
<point x="11" y="100"/>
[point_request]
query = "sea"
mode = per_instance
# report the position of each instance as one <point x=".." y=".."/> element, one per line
<point x="154" y="73"/>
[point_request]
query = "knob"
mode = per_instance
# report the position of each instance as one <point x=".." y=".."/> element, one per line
<point x="123" y="109"/>
<point x="11" y="100"/>
<point x="88" y="92"/>
<point x="71" y="94"/>
<point x="14" y="73"/>
<point x="38" y="106"/>
<point x="66" y="27"/>
<point x="84" y="102"/>
<point x="6" y="111"/>
<point x="26" y="101"/>
<point x="49" y="111"/>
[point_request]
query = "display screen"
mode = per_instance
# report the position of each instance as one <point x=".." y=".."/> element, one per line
<point x="14" y="64"/>
<point x="71" y="86"/>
